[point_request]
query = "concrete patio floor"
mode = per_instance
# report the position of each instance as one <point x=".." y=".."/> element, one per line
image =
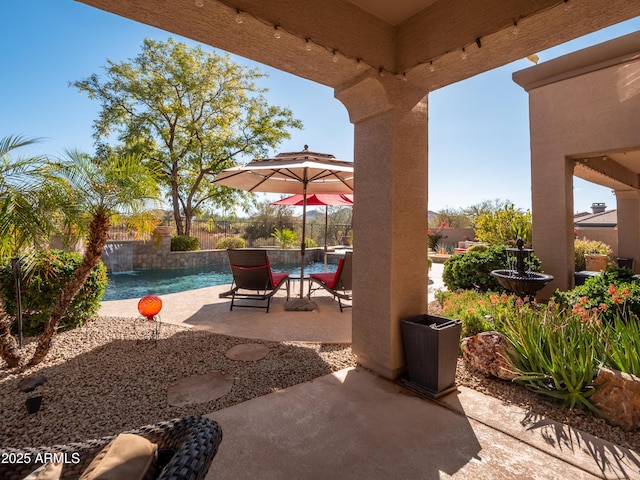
<point x="355" y="425"/>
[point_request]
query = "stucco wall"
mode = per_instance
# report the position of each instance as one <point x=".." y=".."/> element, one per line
<point x="577" y="109"/>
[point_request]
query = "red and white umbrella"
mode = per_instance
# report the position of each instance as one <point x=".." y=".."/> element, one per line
<point x="319" y="200"/>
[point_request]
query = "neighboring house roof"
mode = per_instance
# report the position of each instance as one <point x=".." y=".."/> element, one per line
<point x="608" y="219"/>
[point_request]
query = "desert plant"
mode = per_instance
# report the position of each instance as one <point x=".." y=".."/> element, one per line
<point x="286" y="237"/>
<point x="621" y="343"/>
<point x="555" y="353"/>
<point x="182" y="243"/>
<point x="310" y="243"/>
<point x="48" y="272"/>
<point x="582" y="247"/>
<point x="231" y="242"/>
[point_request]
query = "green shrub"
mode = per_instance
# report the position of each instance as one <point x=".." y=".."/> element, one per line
<point x="468" y="307"/>
<point x="503" y="226"/>
<point x="231" y="242"/>
<point x="612" y="292"/>
<point x="472" y="269"/>
<point x="181" y="243"/>
<point x="310" y="243"/>
<point x="478" y="247"/>
<point x="45" y="278"/>
<point x="583" y="247"/>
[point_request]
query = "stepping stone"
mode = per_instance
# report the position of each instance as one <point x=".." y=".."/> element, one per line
<point x="247" y="352"/>
<point x="199" y="389"/>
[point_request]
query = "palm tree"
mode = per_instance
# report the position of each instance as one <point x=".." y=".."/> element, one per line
<point x="100" y="189"/>
<point x="24" y="221"/>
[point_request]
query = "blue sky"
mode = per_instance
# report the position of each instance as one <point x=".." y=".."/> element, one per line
<point x="478" y="128"/>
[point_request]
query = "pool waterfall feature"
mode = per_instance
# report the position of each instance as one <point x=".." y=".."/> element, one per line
<point x="517" y="279"/>
<point x="118" y="256"/>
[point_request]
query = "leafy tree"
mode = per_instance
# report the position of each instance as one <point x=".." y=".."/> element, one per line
<point x="25" y="219"/>
<point x="455" y="218"/>
<point x="484" y="207"/>
<point x="267" y="220"/>
<point x="22" y="199"/>
<point x="91" y="191"/>
<point x="503" y="226"/>
<point x="190" y="113"/>
<point x="99" y="189"/>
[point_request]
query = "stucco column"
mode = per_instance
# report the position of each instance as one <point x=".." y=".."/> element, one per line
<point x="628" y="206"/>
<point x="390" y="260"/>
<point x="552" y="207"/>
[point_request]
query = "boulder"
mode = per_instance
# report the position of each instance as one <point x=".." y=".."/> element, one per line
<point x="618" y="398"/>
<point x="488" y="353"/>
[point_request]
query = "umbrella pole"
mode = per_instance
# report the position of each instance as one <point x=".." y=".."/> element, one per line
<point x="302" y="303"/>
<point x="302" y="245"/>
<point x="326" y="227"/>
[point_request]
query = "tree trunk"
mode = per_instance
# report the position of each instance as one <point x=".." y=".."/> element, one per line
<point x="187" y="223"/>
<point x="9" y="350"/>
<point x="98" y="234"/>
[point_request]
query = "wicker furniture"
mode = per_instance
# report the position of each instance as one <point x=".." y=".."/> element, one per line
<point x="338" y="283"/>
<point x="186" y="449"/>
<point x="253" y="279"/>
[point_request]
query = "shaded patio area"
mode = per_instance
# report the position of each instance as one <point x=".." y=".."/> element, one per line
<point x="354" y="424"/>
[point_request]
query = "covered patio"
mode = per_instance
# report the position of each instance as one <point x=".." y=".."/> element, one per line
<point x="382" y="59"/>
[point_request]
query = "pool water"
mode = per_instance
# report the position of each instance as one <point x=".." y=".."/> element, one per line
<point x="161" y="282"/>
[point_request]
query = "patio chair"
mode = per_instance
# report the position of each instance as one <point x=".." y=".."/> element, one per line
<point x="338" y="283"/>
<point x="186" y="447"/>
<point x="253" y="279"/>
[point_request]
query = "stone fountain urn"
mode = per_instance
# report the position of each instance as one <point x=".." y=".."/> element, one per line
<point x="520" y="281"/>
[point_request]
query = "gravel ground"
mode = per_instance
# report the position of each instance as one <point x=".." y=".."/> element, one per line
<point x="101" y="379"/>
<point x="107" y="377"/>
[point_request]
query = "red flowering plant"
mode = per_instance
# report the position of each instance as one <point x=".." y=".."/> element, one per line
<point x="435" y="235"/>
<point x="613" y="293"/>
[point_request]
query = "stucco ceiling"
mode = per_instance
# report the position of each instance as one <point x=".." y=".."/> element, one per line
<point x="420" y="41"/>
<point x="393" y="12"/>
<point x="618" y="170"/>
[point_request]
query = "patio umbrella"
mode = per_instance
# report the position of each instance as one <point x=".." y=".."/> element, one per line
<point x="319" y="199"/>
<point x="294" y="173"/>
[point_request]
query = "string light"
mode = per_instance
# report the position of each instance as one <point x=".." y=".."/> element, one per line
<point x="515" y="29"/>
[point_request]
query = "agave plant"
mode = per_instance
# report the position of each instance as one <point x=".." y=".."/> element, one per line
<point x="556" y="354"/>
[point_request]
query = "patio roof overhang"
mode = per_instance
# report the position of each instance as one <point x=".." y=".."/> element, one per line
<point x="406" y="37"/>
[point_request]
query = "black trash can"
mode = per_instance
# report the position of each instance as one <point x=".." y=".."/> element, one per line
<point x="625" y="262"/>
<point x="431" y="346"/>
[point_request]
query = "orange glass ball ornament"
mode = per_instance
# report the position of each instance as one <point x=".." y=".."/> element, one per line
<point x="149" y="306"/>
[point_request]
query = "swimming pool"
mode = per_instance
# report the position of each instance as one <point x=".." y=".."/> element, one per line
<point x="161" y="282"/>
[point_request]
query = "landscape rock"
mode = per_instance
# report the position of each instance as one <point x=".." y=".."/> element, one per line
<point x="29" y="384"/>
<point x="618" y="398"/>
<point x="488" y="354"/>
